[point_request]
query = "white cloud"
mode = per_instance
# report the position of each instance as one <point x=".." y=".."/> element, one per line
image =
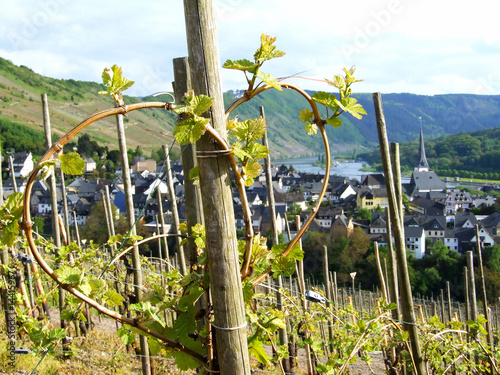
<point x="421" y="46"/>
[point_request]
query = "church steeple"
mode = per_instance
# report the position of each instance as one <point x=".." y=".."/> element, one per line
<point x="422" y="166"/>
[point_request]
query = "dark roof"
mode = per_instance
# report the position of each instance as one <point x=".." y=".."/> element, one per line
<point x="462" y="217"/>
<point x="375" y="179"/>
<point x="413" y="231"/>
<point x="426" y="181"/>
<point x="288" y="197"/>
<point x="492" y="220"/>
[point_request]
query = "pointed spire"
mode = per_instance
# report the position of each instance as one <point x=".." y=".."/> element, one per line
<point x="423" y="165"/>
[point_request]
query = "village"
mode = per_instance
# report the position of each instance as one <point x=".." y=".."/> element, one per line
<point x="434" y="212"/>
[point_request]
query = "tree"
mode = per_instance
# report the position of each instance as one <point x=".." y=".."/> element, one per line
<point x="95" y="227"/>
<point x="364" y="214"/>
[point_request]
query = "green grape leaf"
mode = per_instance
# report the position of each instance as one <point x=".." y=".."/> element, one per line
<point x="67" y="314"/>
<point x="257" y="150"/>
<point x="267" y="49"/>
<point x="12" y="207"/>
<point x="113" y="298"/>
<point x="306" y="115"/>
<point x="256" y="349"/>
<point x="296" y="253"/>
<point x="154" y="345"/>
<point x="326" y="99"/>
<point x="98" y="286"/>
<point x="186" y="322"/>
<point x="69" y="275"/>
<point x="201" y="103"/>
<point x="185" y="361"/>
<point x="85" y="288"/>
<point x="194" y="175"/>
<point x="57" y="334"/>
<point x="10" y="214"/>
<point x="244" y="65"/>
<point x="190" y="130"/>
<point x="338" y="82"/>
<point x="72" y="164"/>
<point x="283" y="266"/>
<point x="249" y="130"/>
<point x="248" y="291"/>
<point x="115" y="83"/>
<point x="311" y="128"/>
<point x="334" y="121"/>
<point x="253" y="169"/>
<point x="269" y="79"/>
<point x="352" y="106"/>
<point x="126" y="336"/>
<point x="238" y="151"/>
<point x="189" y="299"/>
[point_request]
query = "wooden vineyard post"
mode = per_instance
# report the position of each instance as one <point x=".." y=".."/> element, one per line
<point x="472" y="286"/>
<point x="489" y="338"/>
<point x="282" y="332"/>
<point x="393" y="284"/>
<point x="466" y="295"/>
<point x="328" y="293"/>
<point x="12" y="173"/>
<point x="136" y="260"/>
<point x="302" y="289"/>
<point x="450" y="313"/>
<point x="215" y="185"/>
<point x="164" y="253"/>
<point x="53" y="199"/>
<point x="397" y="225"/>
<point x="175" y="211"/>
<point x="194" y="209"/>
<point x="65" y="208"/>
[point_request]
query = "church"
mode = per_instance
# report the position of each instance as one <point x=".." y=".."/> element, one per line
<point x="425" y="183"/>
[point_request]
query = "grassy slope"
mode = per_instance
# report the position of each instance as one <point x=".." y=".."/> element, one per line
<point x="70" y="102"/>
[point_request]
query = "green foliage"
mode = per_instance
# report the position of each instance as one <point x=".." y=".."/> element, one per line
<point x="72" y="163"/>
<point x="21" y="138"/>
<point x="345" y="104"/>
<point x="115" y="83"/>
<point x="265" y="52"/>
<point x="10" y="214"/>
<point x="246" y="148"/>
<point x="192" y="127"/>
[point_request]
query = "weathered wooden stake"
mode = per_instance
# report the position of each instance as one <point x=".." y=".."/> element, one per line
<point x="406" y="295"/>
<point x="194" y="208"/>
<point x="136" y="260"/>
<point x="282" y="332"/>
<point x="215" y="185"/>
<point x="489" y="333"/>
<point x="175" y="211"/>
<point x="53" y="199"/>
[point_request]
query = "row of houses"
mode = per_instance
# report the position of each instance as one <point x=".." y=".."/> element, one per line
<point x="436" y="213"/>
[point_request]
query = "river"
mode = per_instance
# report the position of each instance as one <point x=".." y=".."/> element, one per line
<point x="346" y="169"/>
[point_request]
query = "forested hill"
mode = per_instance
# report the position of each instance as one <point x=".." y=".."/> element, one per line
<point x="72" y="101"/>
<point x="468" y="155"/>
<point x="440" y="115"/>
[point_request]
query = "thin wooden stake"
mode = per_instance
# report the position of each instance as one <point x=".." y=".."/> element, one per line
<point x="136" y="260"/>
<point x="406" y="295"/>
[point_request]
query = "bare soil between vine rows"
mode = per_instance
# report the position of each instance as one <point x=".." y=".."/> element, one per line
<point x="85" y="363"/>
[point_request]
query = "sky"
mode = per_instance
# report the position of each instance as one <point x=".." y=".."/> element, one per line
<point x="423" y="47"/>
